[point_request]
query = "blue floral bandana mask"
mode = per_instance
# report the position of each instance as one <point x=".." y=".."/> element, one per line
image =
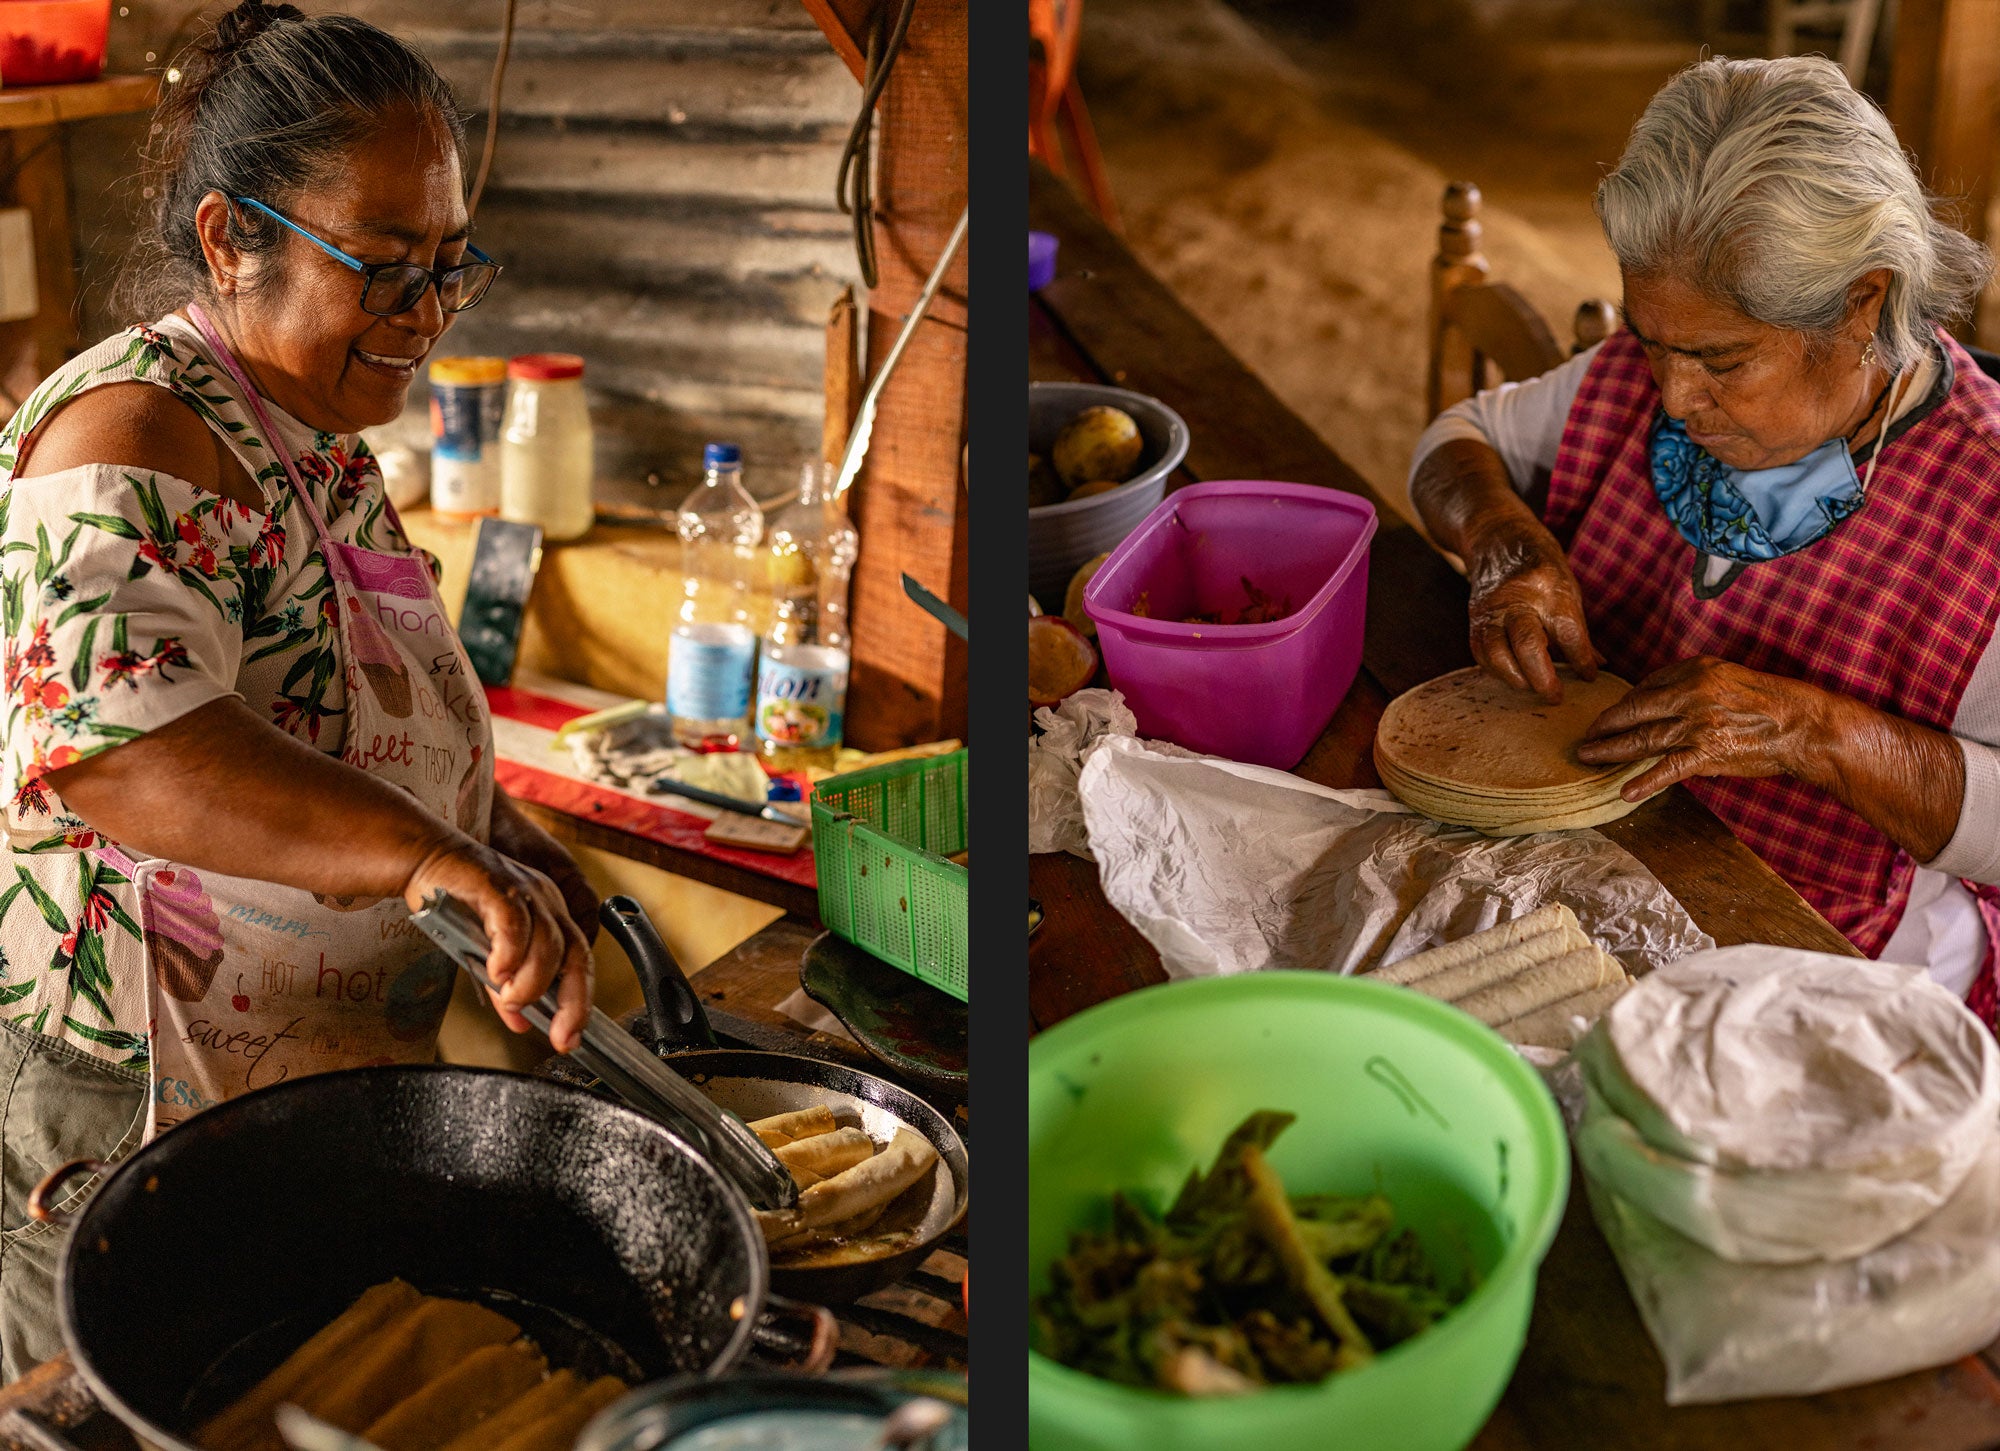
<point x="1707" y="501"/>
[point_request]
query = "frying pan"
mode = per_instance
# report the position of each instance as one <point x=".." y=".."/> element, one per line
<point x="754" y="1085"/>
<point x="217" y="1249"/>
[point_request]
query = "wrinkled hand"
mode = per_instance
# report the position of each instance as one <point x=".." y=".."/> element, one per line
<point x="533" y="941"/>
<point x="1707" y="717"/>
<point x="1523" y="598"/>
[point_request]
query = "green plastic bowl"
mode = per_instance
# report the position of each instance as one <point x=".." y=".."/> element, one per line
<point x="1393" y="1092"/>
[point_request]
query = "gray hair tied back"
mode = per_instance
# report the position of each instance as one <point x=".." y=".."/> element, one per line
<point x="1775" y="185"/>
<point x="265" y="105"/>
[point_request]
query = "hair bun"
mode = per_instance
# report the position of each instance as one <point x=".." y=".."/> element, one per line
<point x="245" y="23"/>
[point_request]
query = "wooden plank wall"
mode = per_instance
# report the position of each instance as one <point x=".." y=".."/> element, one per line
<point x="662" y="196"/>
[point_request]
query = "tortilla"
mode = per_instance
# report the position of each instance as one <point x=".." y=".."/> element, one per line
<point x="1543" y="984"/>
<point x="1555" y="1025"/>
<point x="459" y="1399"/>
<point x="1407" y="970"/>
<point x="781" y="1129"/>
<point x="1472" y="729"/>
<point x="248" y="1422"/>
<point x="1466" y="978"/>
<point x="824" y="1155"/>
<point x="853" y="1192"/>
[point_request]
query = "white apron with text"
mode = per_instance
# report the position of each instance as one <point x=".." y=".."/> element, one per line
<point x="250" y="983"/>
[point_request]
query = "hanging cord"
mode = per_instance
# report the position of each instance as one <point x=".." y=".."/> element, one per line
<point x="492" y="111"/>
<point x="857" y="158"/>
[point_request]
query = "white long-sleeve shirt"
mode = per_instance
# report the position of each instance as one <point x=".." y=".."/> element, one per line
<point x="1941" y="926"/>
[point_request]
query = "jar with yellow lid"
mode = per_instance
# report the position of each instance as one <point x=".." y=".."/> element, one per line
<point x="468" y="399"/>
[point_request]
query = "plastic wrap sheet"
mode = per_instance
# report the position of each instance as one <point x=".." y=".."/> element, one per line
<point x="1230" y="868"/>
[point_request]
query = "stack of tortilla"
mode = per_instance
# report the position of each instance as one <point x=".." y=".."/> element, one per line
<point x="1538" y="980"/>
<point x="1469" y="749"/>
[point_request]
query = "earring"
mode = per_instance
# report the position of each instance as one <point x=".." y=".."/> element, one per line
<point x="1868" y="354"/>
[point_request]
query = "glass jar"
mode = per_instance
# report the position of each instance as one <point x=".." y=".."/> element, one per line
<point x="545" y="451"/>
<point x="468" y="402"/>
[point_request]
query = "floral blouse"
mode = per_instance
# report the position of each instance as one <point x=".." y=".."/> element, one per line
<point x="128" y="598"/>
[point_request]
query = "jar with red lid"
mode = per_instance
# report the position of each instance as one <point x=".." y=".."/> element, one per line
<point x="546" y="458"/>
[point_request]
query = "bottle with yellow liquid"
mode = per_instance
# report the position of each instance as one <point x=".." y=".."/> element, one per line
<point x="809" y="553"/>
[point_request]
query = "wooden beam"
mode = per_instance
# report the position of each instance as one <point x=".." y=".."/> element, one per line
<point x="50" y="105"/>
<point x="1944" y="97"/>
<point x="845" y="25"/>
<point x="843" y="377"/>
<point x="909" y="503"/>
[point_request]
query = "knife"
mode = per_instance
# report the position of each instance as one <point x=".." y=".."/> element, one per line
<point x="767" y="810"/>
<point x="936" y="608"/>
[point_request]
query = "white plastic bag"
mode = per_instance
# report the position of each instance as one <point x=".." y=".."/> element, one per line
<point x="1734" y="1332"/>
<point x="1778" y="1106"/>
<point x="1228" y="868"/>
<point x="1069" y="730"/>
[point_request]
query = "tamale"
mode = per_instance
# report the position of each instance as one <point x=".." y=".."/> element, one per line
<point x="247" y="1422"/>
<point x="523" y="1410"/>
<point x="396" y="1364"/>
<point x="458" y="1400"/>
<point x="558" y="1430"/>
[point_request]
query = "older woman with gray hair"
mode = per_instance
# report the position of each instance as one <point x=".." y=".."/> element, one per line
<point x="1773" y="499"/>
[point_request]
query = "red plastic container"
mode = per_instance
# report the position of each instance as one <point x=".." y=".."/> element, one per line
<point x="1260" y="693"/>
<point x="52" y="42"/>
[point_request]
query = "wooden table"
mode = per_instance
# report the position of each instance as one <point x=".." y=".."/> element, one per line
<point x="1589" y="1377"/>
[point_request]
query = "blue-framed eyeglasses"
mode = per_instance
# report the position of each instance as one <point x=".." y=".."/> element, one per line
<point x="391" y="288"/>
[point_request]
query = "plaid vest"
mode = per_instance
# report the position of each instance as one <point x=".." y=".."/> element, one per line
<point x="1894" y="608"/>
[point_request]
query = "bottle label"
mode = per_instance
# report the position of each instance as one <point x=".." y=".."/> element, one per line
<point x="710" y="679"/>
<point x="799" y="705"/>
<point x="465" y="419"/>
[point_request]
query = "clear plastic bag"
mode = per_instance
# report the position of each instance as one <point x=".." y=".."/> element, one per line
<point x="1230" y="868"/>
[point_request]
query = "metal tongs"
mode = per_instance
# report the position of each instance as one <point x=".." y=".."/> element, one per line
<point x="628" y="1067"/>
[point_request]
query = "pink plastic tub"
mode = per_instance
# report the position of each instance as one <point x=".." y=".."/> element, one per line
<point x="1260" y="693"/>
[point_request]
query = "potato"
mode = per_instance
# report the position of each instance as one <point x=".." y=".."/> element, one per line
<point x="1092" y="489"/>
<point x="1099" y="444"/>
<point x="1043" y="485"/>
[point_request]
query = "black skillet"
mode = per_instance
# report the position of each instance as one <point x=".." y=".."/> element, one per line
<point x="217" y="1249"/>
<point x="753" y="1085"/>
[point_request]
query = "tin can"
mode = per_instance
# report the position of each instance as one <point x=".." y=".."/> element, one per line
<point x="468" y="399"/>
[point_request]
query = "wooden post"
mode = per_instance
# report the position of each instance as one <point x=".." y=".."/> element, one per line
<point x="1944" y="97"/>
<point x="909" y="503"/>
<point x="843" y="378"/>
<point x="35" y="347"/>
<point x="1459" y="263"/>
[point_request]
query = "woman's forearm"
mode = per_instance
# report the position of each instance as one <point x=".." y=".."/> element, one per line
<point x="1463" y="495"/>
<point x="1904" y="779"/>
<point x="224" y="791"/>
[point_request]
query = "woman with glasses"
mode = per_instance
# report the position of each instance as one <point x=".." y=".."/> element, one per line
<point x="1773" y="500"/>
<point x="240" y="740"/>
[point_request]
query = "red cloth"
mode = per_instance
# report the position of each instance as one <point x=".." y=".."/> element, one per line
<point x="1894" y="608"/>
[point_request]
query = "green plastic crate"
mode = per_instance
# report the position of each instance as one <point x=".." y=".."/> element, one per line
<point x="880" y="839"/>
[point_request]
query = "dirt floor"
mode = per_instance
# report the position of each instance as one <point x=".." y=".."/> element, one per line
<point x="1280" y="166"/>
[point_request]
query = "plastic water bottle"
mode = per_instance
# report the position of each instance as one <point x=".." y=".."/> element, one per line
<point x="713" y="653"/>
<point x="809" y="553"/>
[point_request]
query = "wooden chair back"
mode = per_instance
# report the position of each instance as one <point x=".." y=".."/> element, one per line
<point x="1057" y="116"/>
<point x="1485" y="332"/>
